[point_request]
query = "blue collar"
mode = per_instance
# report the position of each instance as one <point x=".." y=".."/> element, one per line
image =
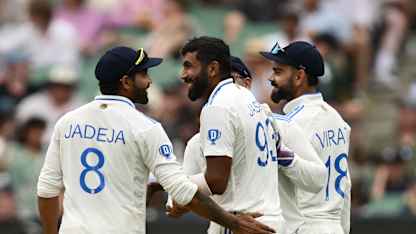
<point x="306" y="98"/>
<point x="115" y="98"/>
<point x="218" y="88"/>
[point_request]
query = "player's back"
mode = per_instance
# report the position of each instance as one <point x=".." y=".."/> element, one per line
<point x="329" y="135"/>
<point x="103" y="171"/>
<point x="252" y="185"/>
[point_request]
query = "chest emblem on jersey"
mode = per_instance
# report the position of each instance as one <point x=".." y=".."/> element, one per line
<point x="213" y="135"/>
<point x="165" y="151"/>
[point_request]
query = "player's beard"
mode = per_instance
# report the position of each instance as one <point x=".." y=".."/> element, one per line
<point x="284" y="92"/>
<point x="199" y="85"/>
<point x="141" y="95"/>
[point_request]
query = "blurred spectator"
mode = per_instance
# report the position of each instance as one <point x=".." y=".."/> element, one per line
<point x="316" y="18"/>
<point x="392" y="33"/>
<point x="12" y="11"/>
<point x="88" y="22"/>
<point x="44" y="40"/>
<point x="335" y="84"/>
<point x="289" y="30"/>
<point x="391" y="177"/>
<point x="8" y="218"/>
<point x="24" y="161"/>
<point x="409" y="209"/>
<point x="143" y="14"/>
<point x="234" y="22"/>
<point x="7" y="128"/>
<point x="14" y="80"/>
<point x="170" y="35"/>
<point x="259" y="10"/>
<point x="50" y="104"/>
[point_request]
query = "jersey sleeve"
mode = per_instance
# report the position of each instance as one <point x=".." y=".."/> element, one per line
<point x="157" y="153"/>
<point x="307" y="170"/>
<point x="193" y="158"/>
<point x="217" y="131"/>
<point x="346" y="211"/>
<point x="50" y="181"/>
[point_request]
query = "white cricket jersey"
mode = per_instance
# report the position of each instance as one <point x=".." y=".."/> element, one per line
<point x="233" y="124"/>
<point x="102" y="154"/>
<point x="306" y="172"/>
<point x="329" y="135"/>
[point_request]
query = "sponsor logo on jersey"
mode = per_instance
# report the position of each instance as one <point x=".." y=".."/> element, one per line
<point x="213" y="135"/>
<point x="165" y="151"/>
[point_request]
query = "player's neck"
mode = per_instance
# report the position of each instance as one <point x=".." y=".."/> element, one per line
<point x="305" y="90"/>
<point x="214" y="82"/>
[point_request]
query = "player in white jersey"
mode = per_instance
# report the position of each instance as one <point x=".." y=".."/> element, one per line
<point x="296" y="69"/>
<point x="101" y="155"/>
<point x="302" y="168"/>
<point x="237" y="139"/>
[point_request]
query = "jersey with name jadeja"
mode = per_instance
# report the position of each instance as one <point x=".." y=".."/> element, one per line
<point x="234" y="124"/>
<point x="102" y="154"/>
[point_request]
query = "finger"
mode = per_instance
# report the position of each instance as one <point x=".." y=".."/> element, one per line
<point x="254" y="214"/>
<point x="265" y="228"/>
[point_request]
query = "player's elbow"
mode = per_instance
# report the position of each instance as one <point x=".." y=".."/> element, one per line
<point x="217" y="184"/>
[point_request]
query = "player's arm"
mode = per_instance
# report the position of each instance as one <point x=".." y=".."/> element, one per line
<point x="346" y="210"/>
<point x="217" y="136"/>
<point x="299" y="161"/>
<point x="49" y="187"/>
<point x="168" y="172"/>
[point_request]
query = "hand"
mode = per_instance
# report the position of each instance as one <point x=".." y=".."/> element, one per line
<point x="285" y="156"/>
<point x="175" y="210"/>
<point x="248" y="225"/>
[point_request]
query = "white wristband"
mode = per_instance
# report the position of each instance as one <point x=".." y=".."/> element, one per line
<point x="199" y="179"/>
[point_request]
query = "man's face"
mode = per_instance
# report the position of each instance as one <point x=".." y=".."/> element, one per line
<point x="195" y="75"/>
<point x="282" y="80"/>
<point x="141" y="82"/>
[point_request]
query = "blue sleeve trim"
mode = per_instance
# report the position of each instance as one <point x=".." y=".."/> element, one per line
<point x="289" y="116"/>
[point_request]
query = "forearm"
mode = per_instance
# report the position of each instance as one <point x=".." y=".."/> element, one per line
<point x="49" y="214"/>
<point x="207" y="208"/>
<point x="308" y="175"/>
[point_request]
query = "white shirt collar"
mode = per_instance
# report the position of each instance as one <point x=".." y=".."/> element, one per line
<point x="218" y="88"/>
<point x="115" y="98"/>
<point x="290" y="106"/>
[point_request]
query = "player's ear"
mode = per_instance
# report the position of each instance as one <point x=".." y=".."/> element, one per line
<point x="125" y="82"/>
<point x="213" y="69"/>
<point x="301" y="75"/>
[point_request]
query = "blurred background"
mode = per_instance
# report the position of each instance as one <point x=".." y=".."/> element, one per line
<point x="48" y="51"/>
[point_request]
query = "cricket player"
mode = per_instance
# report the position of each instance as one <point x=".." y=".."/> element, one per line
<point x="101" y="155"/>
<point x="296" y="69"/>
<point x="299" y="165"/>
<point x="235" y="136"/>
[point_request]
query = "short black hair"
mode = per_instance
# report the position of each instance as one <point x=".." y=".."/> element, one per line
<point x="109" y="87"/>
<point x="210" y="49"/>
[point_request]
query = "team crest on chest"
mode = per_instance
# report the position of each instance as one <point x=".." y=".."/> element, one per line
<point x="213" y="135"/>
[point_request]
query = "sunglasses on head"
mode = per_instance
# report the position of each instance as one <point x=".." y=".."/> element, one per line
<point x="140" y="56"/>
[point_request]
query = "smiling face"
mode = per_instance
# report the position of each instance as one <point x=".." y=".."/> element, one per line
<point x="195" y="74"/>
<point x="283" y="82"/>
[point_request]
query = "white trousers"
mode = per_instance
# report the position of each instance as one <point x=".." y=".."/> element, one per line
<point x="321" y="227"/>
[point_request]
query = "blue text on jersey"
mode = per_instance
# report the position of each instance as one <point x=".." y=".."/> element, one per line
<point x="331" y="137"/>
<point x="87" y="131"/>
